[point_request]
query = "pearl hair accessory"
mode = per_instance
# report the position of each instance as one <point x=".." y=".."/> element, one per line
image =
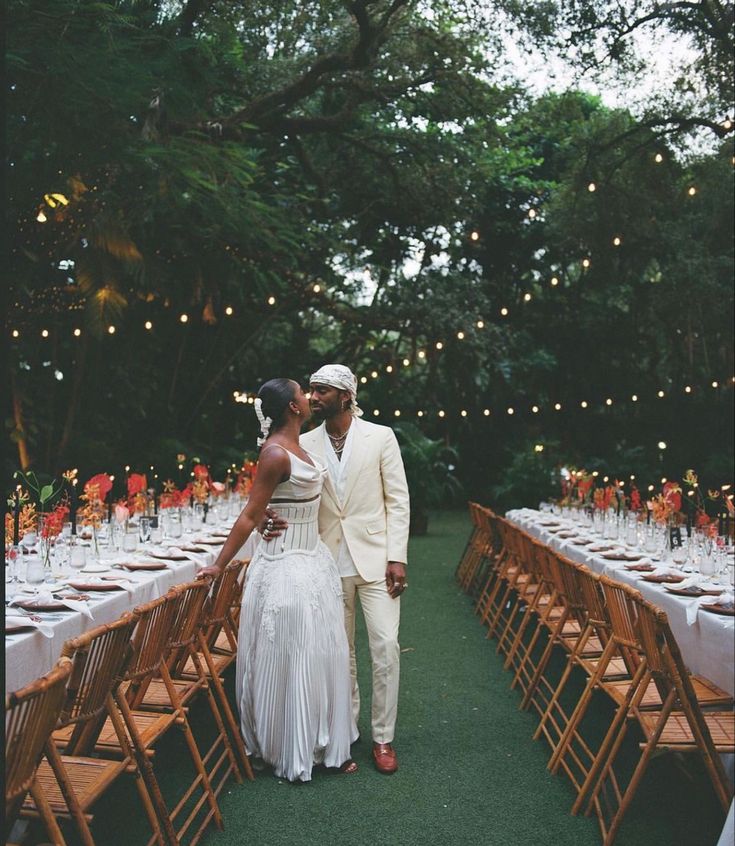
<point x="265" y="422"/>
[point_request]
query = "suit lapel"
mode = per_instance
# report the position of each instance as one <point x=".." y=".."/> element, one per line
<point x="314" y="442"/>
<point x="357" y="458"/>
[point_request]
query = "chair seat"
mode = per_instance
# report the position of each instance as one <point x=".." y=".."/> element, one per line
<point x="676" y="731"/>
<point x="222" y="645"/>
<point x="150" y="727"/>
<point x="707" y="693"/>
<point x="615" y="669"/>
<point x="221" y="663"/>
<point x="157" y="697"/>
<point x="90" y="778"/>
<point x="592" y="648"/>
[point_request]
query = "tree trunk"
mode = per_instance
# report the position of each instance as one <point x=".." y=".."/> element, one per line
<point x="74" y="400"/>
<point x="23" y="457"/>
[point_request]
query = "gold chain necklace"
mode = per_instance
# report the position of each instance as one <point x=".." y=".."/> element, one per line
<point x="338" y="441"/>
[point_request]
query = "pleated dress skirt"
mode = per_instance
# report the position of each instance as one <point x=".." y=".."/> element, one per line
<point x="293" y="673"/>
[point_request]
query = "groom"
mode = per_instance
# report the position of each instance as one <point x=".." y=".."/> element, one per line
<point x="363" y="519"/>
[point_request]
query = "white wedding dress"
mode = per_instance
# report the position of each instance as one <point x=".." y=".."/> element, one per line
<point x="293" y="675"/>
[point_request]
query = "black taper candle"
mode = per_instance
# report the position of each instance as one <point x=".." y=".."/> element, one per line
<point x="16" y="517"/>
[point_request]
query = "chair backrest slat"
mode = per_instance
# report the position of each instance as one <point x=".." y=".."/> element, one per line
<point x="99" y="657"/>
<point x="30" y="716"/>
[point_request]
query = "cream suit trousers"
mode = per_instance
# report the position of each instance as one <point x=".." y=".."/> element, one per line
<point x="382" y="614"/>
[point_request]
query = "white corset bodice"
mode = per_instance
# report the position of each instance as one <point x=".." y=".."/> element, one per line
<point x="297" y="501"/>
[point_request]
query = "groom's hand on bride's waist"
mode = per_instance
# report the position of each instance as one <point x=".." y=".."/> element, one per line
<point x="272" y="525"/>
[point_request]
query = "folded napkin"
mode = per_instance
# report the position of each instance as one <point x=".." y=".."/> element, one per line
<point x="124" y="582"/>
<point x="666" y="570"/>
<point x="46" y="629"/>
<point x="724" y="598"/>
<point x="72" y="604"/>
<point x="200" y="558"/>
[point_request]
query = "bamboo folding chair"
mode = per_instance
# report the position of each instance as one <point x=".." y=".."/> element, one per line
<point x="206" y="666"/>
<point x="224" y="619"/>
<point x="151" y="643"/>
<point x="30" y="715"/>
<point x="678" y="724"/>
<point x="621" y="606"/>
<point x="490" y="547"/>
<point x="557" y="625"/>
<point x="528" y="596"/>
<point x="72" y="778"/>
<point x="481" y="550"/>
<point x="574" y="635"/>
<point x="496" y="572"/>
<point x="514" y="578"/>
<point x="189" y="601"/>
<point x="470" y="550"/>
<point x="620" y="659"/>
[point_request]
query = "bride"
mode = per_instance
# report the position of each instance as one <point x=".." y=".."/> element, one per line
<point x="293" y="676"/>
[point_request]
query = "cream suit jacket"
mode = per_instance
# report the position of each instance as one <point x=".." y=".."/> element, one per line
<point x="374" y="516"/>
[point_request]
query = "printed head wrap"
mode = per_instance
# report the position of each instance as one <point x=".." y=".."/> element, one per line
<point x="340" y="377"/>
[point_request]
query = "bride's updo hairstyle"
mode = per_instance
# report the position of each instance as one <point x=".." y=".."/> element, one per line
<point x="271" y="405"/>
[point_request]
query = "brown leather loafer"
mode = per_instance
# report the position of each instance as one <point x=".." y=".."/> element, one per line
<point x="386" y="760"/>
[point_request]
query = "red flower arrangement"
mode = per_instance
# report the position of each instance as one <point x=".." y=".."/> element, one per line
<point x="102" y="485"/>
<point x="53" y="522"/>
<point x="137" y="483"/>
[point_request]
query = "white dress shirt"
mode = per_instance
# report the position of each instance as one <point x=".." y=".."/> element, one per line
<point x="338" y="473"/>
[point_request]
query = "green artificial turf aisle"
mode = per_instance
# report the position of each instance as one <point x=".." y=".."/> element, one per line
<point x="469" y="769"/>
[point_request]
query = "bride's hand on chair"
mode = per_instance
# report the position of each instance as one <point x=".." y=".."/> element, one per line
<point x="210" y="572"/>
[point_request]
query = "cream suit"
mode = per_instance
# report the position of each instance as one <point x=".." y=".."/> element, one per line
<point x="372" y="520"/>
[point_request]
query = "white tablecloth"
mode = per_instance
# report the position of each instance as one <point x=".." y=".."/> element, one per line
<point x="707" y="646"/>
<point x="30" y="655"/>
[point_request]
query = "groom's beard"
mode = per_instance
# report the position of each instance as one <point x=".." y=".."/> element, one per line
<point x="322" y="413"/>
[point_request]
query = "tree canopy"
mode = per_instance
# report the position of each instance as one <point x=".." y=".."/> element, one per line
<point x="204" y="195"/>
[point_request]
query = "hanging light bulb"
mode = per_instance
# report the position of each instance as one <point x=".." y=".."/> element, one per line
<point x="439" y="345"/>
<point x="486" y="412"/>
<point x="592" y="187"/>
<point x="534" y="409"/>
<point x="554" y="281"/>
<point x="480" y="324"/>
<point x="617" y="241"/>
<point x="184" y="318"/>
<point x="658" y="158"/>
<point x="228" y="311"/>
<point x="504" y="311"/>
<point x="583" y="403"/>
<point x="460" y="335"/>
<point x="271" y="301"/>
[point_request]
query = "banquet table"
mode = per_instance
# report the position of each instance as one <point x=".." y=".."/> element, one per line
<point x="29" y="655"/>
<point x="707" y="645"/>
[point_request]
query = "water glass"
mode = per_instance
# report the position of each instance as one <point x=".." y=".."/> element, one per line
<point x="130" y="540"/>
<point x="144" y="527"/>
<point x="35" y="571"/>
<point x="77" y="556"/>
<point x="173" y="527"/>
